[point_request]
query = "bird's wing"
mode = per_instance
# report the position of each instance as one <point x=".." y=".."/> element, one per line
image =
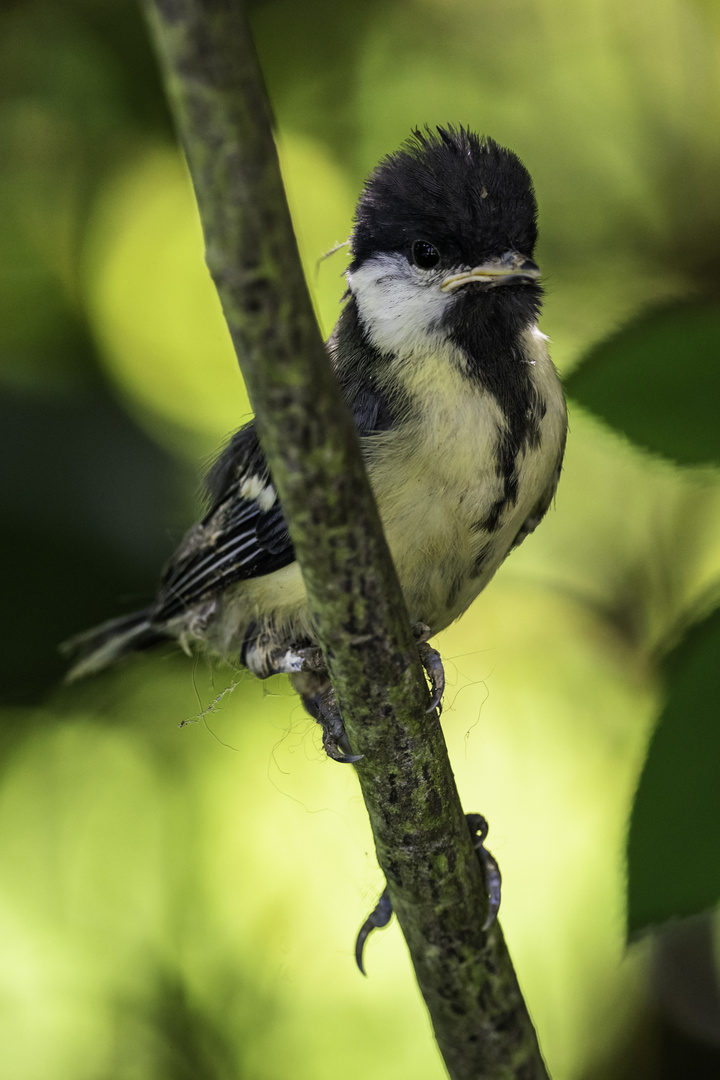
<point x="244" y="533"/>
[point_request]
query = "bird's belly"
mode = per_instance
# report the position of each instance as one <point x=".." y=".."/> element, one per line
<point x="432" y="492"/>
<point x="273" y="606"/>
<point x="448" y="514"/>
<point x="452" y="520"/>
<point x="435" y="548"/>
<point x="443" y="552"/>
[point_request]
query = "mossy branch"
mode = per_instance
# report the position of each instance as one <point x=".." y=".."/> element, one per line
<point x="423" y="843"/>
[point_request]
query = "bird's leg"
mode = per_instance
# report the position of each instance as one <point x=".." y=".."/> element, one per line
<point x="431" y="661"/>
<point x="265" y="657"/>
<point x="382" y="912"/>
<point x="319" y="699"/>
<point x="305" y="665"/>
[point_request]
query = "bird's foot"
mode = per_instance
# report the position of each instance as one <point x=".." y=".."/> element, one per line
<point x="323" y="707"/>
<point x="382" y="912"/>
<point x="306" y="666"/>
<point x="491" y="871"/>
<point x="431" y="661"/>
<point x="319" y="699"/>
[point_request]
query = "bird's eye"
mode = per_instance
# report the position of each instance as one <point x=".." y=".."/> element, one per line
<point x="425" y="255"/>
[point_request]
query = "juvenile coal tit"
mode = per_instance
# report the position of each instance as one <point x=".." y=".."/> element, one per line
<point x="459" y="410"/>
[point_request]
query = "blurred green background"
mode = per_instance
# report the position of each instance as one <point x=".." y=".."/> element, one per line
<point x="180" y="900"/>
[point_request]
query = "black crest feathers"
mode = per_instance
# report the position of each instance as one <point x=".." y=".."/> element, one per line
<point x="464" y="193"/>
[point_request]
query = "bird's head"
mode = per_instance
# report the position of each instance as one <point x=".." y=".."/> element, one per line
<point x="445" y="230"/>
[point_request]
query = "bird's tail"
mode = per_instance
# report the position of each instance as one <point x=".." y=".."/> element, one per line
<point x="96" y="649"/>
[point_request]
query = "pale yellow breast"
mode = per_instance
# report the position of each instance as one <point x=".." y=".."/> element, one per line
<point x="436" y="478"/>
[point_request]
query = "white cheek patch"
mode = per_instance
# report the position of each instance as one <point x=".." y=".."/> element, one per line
<point x="399" y="305"/>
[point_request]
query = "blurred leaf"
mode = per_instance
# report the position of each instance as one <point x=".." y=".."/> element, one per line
<point x="87" y="502"/>
<point x="686" y="992"/>
<point x="170" y="1036"/>
<point x="673" y="864"/>
<point x="658" y="381"/>
<point x="63" y="121"/>
<point x="121" y="27"/>
<point x="321" y="205"/>
<point x="311" y="55"/>
<point x="153" y="305"/>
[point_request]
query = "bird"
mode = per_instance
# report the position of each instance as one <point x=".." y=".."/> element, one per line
<point x="459" y="410"/>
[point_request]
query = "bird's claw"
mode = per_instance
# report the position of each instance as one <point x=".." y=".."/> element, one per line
<point x="491" y="871"/>
<point x="432" y="662"/>
<point x="380" y="916"/>
<point x="382" y="912"/>
<point x="322" y="706"/>
<point x="339" y="749"/>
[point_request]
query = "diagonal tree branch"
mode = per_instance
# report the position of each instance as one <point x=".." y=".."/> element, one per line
<point x="422" y="840"/>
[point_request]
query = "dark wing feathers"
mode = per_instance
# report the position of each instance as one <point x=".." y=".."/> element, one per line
<point x="371" y="411"/>
<point x="238" y="538"/>
<point x="272" y="531"/>
<point x="242" y="457"/>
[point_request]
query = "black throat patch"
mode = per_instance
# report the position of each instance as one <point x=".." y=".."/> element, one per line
<point x="488" y="330"/>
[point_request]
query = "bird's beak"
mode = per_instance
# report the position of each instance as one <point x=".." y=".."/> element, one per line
<point x="512" y="266"/>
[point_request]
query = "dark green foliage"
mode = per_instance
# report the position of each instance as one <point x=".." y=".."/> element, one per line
<point x="87" y="499"/>
<point x="658" y="381"/>
<point x="181" y="1038"/>
<point x="673" y="864"/>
